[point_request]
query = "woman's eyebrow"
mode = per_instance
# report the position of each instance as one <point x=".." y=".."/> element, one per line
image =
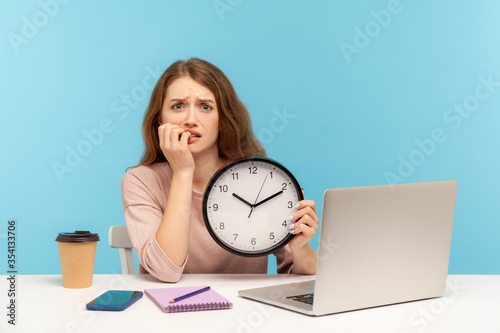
<point x="176" y="99"/>
<point x="206" y="100"/>
<point x="203" y="100"/>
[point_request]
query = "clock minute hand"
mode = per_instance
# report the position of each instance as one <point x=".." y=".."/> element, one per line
<point x="243" y="200"/>
<point x="268" y="198"/>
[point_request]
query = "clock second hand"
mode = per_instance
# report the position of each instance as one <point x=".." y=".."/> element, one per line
<point x="253" y="206"/>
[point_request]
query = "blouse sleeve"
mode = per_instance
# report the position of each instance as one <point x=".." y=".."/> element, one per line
<point x="143" y="215"/>
<point x="284" y="260"/>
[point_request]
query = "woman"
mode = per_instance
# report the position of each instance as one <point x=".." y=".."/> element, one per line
<point x="194" y="125"/>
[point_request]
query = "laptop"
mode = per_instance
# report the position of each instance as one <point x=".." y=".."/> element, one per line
<point x="378" y="245"/>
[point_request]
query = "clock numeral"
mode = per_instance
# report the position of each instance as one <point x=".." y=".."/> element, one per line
<point x="283" y="186"/>
<point x="221" y="226"/>
<point x="253" y="241"/>
<point x="215" y="207"/>
<point x="235" y="236"/>
<point x="235" y="176"/>
<point x="253" y="170"/>
<point x="290" y="204"/>
<point x="271" y="174"/>
<point x="223" y="188"/>
<point x="284" y="223"/>
<point x="271" y="235"/>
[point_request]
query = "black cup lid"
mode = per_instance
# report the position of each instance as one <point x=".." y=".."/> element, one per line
<point x="77" y="237"/>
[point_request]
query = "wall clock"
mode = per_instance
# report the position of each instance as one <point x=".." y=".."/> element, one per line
<point x="246" y="205"/>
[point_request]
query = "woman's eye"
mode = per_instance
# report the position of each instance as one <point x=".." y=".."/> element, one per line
<point x="177" y="106"/>
<point x="206" y="107"/>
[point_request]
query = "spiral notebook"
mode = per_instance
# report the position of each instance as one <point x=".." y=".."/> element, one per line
<point x="209" y="300"/>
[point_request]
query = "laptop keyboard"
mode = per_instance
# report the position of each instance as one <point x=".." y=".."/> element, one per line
<point x="304" y="298"/>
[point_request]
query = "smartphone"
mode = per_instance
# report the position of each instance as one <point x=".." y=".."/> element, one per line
<point x="114" y="300"/>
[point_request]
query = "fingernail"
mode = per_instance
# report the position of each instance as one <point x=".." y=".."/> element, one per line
<point x="292" y="231"/>
<point x="291" y="226"/>
<point x="289" y="218"/>
<point x="296" y="206"/>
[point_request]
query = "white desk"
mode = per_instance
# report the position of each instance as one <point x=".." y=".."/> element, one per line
<point x="471" y="304"/>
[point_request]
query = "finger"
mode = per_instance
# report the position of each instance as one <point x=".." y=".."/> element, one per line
<point x="305" y="220"/>
<point x="306" y="211"/>
<point x="175" y="134"/>
<point x="161" y="130"/>
<point x="185" y="138"/>
<point x="164" y="134"/>
<point x="305" y="229"/>
<point x="307" y="203"/>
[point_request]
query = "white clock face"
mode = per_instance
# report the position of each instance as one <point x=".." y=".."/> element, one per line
<point x="247" y="203"/>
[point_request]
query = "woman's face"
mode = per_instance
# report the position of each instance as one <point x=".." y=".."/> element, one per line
<point x="192" y="107"/>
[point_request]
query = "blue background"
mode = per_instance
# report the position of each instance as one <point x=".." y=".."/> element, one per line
<point x="360" y="90"/>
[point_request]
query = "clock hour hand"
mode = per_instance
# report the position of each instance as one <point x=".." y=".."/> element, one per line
<point x="243" y="200"/>
<point x="268" y="198"/>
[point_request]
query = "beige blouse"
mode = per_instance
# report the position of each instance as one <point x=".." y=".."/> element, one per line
<point x="145" y="191"/>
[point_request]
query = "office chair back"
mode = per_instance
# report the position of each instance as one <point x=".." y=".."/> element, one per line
<point x="118" y="238"/>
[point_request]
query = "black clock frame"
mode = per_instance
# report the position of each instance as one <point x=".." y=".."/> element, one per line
<point x="211" y="183"/>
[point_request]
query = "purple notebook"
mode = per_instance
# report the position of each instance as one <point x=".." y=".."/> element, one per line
<point x="208" y="300"/>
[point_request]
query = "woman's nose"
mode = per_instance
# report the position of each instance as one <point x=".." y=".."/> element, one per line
<point x="190" y="119"/>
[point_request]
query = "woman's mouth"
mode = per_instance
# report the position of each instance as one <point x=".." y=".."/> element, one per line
<point x="195" y="136"/>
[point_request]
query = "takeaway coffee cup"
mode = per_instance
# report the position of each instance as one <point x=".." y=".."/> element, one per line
<point x="77" y="254"/>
